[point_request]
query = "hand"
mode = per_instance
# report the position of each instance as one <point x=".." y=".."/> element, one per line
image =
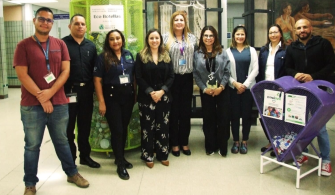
<point x="240" y="87"/>
<point x="209" y="91"/>
<point x="329" y="16"/>
<point x="303" y="77"/>
<point x="217" y="91"/>
<point x="102" y="108"/>
<point x="156" y="95"/>
<point x="307" y="78"/>
<point x="47" y="107"/>
<point x="298" y="76"/>
<point x="44" y="95"/>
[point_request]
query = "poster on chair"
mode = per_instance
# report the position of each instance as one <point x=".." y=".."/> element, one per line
<point x="273" y="104"/>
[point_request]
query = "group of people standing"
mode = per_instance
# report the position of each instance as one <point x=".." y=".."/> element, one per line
<point x="163" y="72"/>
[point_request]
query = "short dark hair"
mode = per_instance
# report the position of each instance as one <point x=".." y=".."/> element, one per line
<point x="43" y="9"/>
<point x="71" y="20"/>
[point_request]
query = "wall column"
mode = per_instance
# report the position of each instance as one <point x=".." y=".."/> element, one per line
<point x="3" y="56"/>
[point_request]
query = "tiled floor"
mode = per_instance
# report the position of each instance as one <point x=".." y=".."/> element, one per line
<point x="195" y="174"/>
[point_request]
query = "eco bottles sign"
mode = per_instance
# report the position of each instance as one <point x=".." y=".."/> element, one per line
<point x="107" y="17"/>
<point x="295" y="107"/>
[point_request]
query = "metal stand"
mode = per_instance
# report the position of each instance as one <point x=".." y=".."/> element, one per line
<point x="297" y="169"/>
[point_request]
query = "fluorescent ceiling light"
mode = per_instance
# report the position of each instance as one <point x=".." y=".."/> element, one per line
<point x="32" y="1"/>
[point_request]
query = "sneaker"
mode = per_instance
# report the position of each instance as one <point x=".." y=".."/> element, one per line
<point x="302" y="159"/>
<point x="30" y="190"/>
<point x="243" y="148"/>
<point x="326" y="169"/>
<point x="78" y="180"/>
<point x="236" y="148"/>
<point x="209" y="152"/>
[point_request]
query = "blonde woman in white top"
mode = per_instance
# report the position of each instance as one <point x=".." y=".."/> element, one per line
<point x="180" y="43"/>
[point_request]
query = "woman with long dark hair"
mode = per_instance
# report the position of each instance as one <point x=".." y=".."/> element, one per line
<point x="154" y="75"/>
<point x="115" y="88"/>
<point x="211" y="72"/>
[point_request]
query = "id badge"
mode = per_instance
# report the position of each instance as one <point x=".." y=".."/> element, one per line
<point x="71" y="97"/>
<point x="211" y="86"/>
<point x="49" y="77"/>
<point x="124" y="79"/>
<point x="182" y="62"/>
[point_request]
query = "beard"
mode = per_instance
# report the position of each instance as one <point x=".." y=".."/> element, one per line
<point x="308" y="34"/>
<point x="41" y="32"/>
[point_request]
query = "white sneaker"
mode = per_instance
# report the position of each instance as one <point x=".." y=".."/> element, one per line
<point x="326" y="169"/>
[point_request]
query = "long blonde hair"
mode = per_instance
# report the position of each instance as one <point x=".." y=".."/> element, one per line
<point x="146" y="55"/>
<point x="171" y="33"/>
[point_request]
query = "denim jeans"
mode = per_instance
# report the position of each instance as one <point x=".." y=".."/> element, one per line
<point x="34" y="120"/>
<point x="324" y="145"/>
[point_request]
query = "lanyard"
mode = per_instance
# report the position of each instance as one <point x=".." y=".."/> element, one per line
<point x="181" y="45"/>
<point x="122" y="65"/>
<point x="46" y="53"/>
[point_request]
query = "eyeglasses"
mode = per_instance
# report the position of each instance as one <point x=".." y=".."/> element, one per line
<point x="42" y="20"/>
<point x="208" y="36"/>
<point x="274" y="32"/>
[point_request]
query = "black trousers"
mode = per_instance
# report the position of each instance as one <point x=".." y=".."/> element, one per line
<point x="241" y="107"/>
<point x="119" y="102"/>
<point x="154" y="119"/>
<point x="180" y="118"/>
<point x="81" y="112"/>
<point x="216" y="120"/>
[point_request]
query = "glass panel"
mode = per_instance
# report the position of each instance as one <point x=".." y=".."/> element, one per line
<point x="159" y="14"/>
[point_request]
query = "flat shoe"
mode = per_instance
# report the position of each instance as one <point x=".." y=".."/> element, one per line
<point x="265" y="148"/>
<point x="122" y="172"/>
<point x="165" y="162"/>
<point x="187" y="152"/>
<point x="89" y="162"/>
<point x="127" y="164"/>
<point x="272" y="154"/>
<point x="149" y="164"/>
<point x="176" y="153"/>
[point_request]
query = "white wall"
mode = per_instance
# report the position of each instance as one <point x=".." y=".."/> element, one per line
<point x="60" y="27"/>
<point x="235" y="10"/>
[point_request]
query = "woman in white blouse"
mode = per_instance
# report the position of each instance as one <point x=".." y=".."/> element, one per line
<point x="271" y="62"/>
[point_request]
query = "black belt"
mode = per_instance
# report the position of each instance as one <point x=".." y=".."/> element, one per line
<point x="118" y="85"/>
<point x="79" y="84"/>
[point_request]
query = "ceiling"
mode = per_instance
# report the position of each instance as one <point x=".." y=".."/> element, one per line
<point x="64" y="5"/>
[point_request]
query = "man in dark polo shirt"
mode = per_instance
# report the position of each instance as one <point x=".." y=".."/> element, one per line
<point x="79" y="88"/>
<point x="42" y="65"/>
